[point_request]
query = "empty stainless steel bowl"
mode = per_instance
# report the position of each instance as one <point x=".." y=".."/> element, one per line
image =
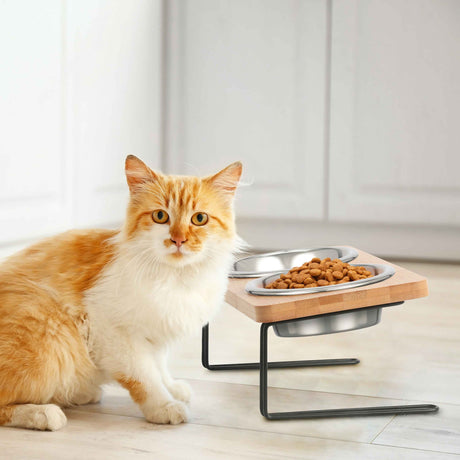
<point x="330" y="324"/>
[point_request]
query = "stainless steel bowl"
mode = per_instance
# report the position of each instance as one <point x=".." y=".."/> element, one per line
<point x="277" y="262"/>
<point x="330" y="324"/>
<point x="380" y="272"/>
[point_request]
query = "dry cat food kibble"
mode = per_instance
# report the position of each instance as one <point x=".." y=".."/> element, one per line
<point x="319" y="272"/>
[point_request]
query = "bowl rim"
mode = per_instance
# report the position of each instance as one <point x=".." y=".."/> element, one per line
<point x="255" y="286"/>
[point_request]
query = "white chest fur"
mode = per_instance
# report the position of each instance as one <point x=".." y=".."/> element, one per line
<point x="160" y="304"/>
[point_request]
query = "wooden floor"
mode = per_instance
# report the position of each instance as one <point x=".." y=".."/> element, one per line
<point x="412" y="356"/>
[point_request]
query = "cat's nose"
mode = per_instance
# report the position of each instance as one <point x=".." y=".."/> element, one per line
<point x="178" y="240"/>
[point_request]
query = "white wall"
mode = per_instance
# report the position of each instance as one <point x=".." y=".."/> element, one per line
<point x="344" y="113"/>
<point x="80" y="87"/>
<point x="395" y="112"/>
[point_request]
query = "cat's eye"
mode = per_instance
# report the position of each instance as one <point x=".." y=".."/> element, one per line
<point x="199" y="218"/>
<point x="160" y="217"/>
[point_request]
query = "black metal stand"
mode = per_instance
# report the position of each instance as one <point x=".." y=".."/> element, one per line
<point x="264" y="365"/>
<point x="272" y="365"/>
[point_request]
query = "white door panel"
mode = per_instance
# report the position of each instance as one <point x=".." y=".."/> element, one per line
<point x="395" y="106"/>
<point x="247" y="82"/>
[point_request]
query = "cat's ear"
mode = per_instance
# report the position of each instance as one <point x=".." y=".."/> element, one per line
<point x="137" y="173"/>
<point x="226" y="181"/>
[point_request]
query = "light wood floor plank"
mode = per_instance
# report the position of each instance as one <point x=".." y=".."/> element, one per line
<point x="236" y="406"/>
<point x="100" y="436"/>
<point x="440" y="433"/>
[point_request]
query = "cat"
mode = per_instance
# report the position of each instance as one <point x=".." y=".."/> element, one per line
<point x="91" y="306"/>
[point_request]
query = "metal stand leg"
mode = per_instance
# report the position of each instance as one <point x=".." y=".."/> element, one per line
<point x="347" y="412"/>
<point x="272" y="365"/>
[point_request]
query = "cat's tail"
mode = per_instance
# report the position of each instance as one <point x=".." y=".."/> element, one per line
<point x="34" y="416"/>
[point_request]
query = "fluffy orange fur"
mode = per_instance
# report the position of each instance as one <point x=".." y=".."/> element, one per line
<point x="44" y="352"/>
<point x="42" y="320"/>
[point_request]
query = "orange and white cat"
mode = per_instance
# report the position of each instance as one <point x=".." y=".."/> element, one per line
<point x="90" y="306"/>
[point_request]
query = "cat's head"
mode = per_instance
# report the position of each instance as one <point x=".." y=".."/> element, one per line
<point x="180" y="220"/>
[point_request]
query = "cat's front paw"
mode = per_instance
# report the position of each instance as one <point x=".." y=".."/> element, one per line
<point x="45" y="417"/>
<point x="180" y="390"/>
<point x="173" y="412"/>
